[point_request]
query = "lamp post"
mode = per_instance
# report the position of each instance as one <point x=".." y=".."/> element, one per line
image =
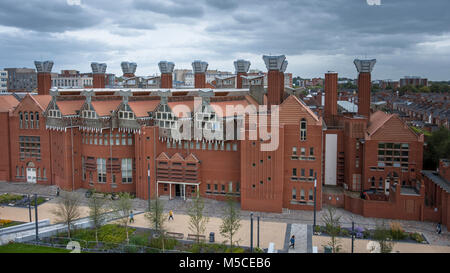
<point x="251" y="232"/>
<point x="36" y="216"/>
<point x="29" y="207"/>
<point x="353" y="235"/>
<point x="315" y="195"/>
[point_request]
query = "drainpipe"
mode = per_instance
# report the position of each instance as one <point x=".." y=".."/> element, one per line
<point x="73" y="164"/>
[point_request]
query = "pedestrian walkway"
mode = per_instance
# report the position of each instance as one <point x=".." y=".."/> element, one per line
<point x="300" y="231"/>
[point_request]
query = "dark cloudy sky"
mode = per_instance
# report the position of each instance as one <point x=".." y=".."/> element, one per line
<point x="407" y="37"/>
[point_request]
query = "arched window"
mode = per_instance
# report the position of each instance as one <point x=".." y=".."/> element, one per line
<point x="21" y="120"/>
<point x="37" y="120"/>
<point x="302" y="194"/>
<point x="372" y="180"/>
<point x="26" y="120"/>
<point x="294" y="193"/>
<point x="311" y="195"/>
<point x="380" y="183"/>
<point x="31" y="120"/>
<point x="303" y="129"/>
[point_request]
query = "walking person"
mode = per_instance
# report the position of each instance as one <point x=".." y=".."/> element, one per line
<point x="292" y="242"/>
<point x="131" y="217"/>
<point x="439" y="228"/>
<point x="170" y="214"/>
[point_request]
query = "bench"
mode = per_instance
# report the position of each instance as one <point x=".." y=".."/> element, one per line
<point x="194" y="237"/>
<point x="175" y="235"/>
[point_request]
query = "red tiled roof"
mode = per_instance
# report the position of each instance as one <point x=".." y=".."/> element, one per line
<point x="104" y="107"/>
<point x="189" y="104"/>
<point x="220" y="107"/>
<point x="69" y="107"/>
<point x="42" y="100"/>
<point x="7" y="103"/>
<point x="377" y="120"/>
<point x="141" y="108"/>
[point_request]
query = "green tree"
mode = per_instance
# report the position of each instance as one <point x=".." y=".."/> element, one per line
<point x="197" y="219"/>
<point x="67" y="209"/>
<point x="157" y="219"/>
<point x="231" y="222"/>
<point x="383" y="237"/>
<point x="424" y="89"/>
<point x="333" y="228"/>
<point x="97" y="212"/>
<point x="123" y="207"/>
<point x="437" y="147"/>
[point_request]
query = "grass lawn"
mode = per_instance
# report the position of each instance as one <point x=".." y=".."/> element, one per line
<point x="24" y="248"/>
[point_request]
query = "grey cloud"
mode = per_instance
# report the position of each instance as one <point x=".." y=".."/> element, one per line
<point x="45" y="16"/>
<point x="173" y="8"/>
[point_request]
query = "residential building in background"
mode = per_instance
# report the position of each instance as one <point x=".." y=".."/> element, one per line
<point x="21" y="79"/>
<point x="413" y="80"/>
<point x="71" y="79"/>
<point x="3" y="81"/>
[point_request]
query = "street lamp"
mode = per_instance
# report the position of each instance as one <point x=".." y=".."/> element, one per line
<point x="315" y="195"/>
<point x="251" y="232"/>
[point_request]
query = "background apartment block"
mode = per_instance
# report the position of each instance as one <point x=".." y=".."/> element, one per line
<point x="21" y="79"/>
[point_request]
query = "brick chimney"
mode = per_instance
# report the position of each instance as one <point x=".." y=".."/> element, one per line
<point x="128" y="69"/>
<point x="166" y="69"/>
<point x="331" y="86"/>
<point x="44" y="77"/>
<point x="364" y="68"/>
<point x="276" y="65"/>
<point x="242" y="67"/>
<point x="98" y="74"/>
<point x="199" y="68"/>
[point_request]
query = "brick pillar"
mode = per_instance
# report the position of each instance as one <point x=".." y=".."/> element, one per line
<point x="44" y="77"/>
<point x="276" y="65"/>
<point x="331" y="86"/>
<point x="364" y="68"/>
<point x="128" y="69"/>
<point x="241" y="67"/>
<point x="166" y="69"/>
<point x="98" y="75"/>
<point x="199" y="68"/>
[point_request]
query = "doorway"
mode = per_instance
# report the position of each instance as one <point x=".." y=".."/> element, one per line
<point x="31" y="173"/>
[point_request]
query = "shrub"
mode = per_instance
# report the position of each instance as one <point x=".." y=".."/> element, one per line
<point x="140" y="240"/>
<point x="345" y="232"/>
<point x="417" y="237"/>
<point x="317" y="229"/>
<point x="169" y="243"/>
<point x="366" y="234"/>
<point x="235" y="250"/>
<point x="397" y="231"/>
<point x="9" y="198"/>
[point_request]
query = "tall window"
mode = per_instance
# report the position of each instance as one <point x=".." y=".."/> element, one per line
<point x="127" y="170"/>
<point x="294" y="193"/>
<point x="294" y="150"/>
<point x="37" y="120"/>
<point x="302" y="194"/>
<point x="294" y="172"/>
<point x="311" y="196"/>
<point x="130" y="139"/>
<point x="101" y="170"/>
<point x="83" y="167"/>
<point x="117" y="139"/>
<point x="303" y="129"/>
<point x="124" y="139"/>
<point x="31" y="120"/>
<point x="26" y="120"/>
<point x="311" y="151"/>
<point x="21" y="120"/>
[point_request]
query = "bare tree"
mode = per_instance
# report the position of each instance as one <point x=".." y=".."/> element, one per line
<point x="231" y="222"/>
<point x="333" y="228"/>
<point x="197" y="221"/>
<point x="68" y="208"/>
<point x="97" y="212"/>
<point x="123" y="207"/>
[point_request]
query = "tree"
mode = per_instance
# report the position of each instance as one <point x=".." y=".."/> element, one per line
<point x="197" y="221"/>
<point x="123" y="207"/>
<point x="438" y="147"/>
<point x="157" y="218"/>
<point x="231" y="222"/>
<point x="383" y="237"/>
<point x="97" y="212"/>
<point x="333" y="228"/>
<point x="68" y="208"/>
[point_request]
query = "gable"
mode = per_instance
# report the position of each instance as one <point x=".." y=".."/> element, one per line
<point x="292" y="111"/>
<point x="28" y="104"/>
<point x="393" y="130"/>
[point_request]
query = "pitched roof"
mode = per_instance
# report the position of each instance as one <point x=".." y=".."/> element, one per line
<point x="377" y="120"/>
<point x="42" y="100"/>
<point x="289" y="113"/>
<point x="188" y="103"/>
<point x="141" y="108"/>
<point x="69" y="107"/>
<point x="191" y="158"/>
<point x="163" y="156"/>
<point x="104" y="107"/>
<point x="220" y="107"/>
<point x="7" y="103"/>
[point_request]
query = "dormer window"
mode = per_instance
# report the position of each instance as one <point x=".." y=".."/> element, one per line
<point x="89" y="114"/>
<point x="126" y="115"/>
<point x="54" y="113"/>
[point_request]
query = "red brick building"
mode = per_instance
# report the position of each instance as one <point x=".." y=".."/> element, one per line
<point x="262" y="146"/>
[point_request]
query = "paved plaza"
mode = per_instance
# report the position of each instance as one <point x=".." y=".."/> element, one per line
<point x="275" y="227"/>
